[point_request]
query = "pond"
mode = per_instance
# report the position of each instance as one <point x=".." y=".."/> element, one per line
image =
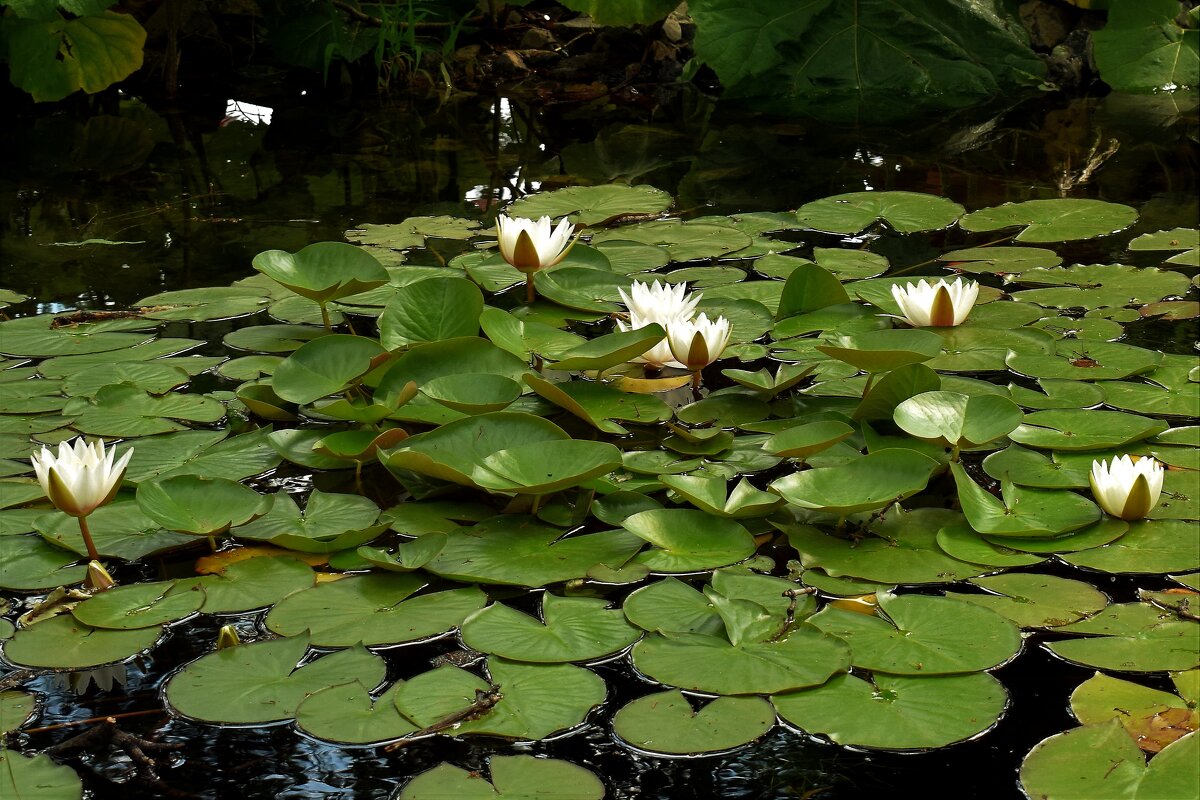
<point x="478" y="505"/>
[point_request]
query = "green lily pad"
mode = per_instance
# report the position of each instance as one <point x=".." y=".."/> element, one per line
<point x="412" y="232"/>
<point x="546" y="466"/>
<point x="905" y="212"/>
<point x="154" y="377"/>
<point x="1103" y="761"/>
<point x="956" y="419"/>
<point x="666" y="724"/>
<point x="687" y="540"/>
<point x="1077" y="359"/>
<point x="1150" y="547"/>
<point x="254" y="583"/>
<point x="1072" y="430"/>
<point x="1022" y="512"/>
<point x="583" y="288"/>
<point x="593" y="206"/>
<point x="33" y="337"/>
<point x="672" y="606"/>
<point x="260" y="683"/>
<point x="1031" y="468"/>
<point x="517" y="551"/>
<point x="272" y="338"/>
<point x="140" y="605"/>
<point x="377" y="609"/>
<point x="538" y="700"/>
<point x="1131" y="637"/>
<point x="124" y="410"/>
<point x="960" y="541"/>
<point x="455" y="451"/>
<point x="206" y="454"/>
<point x="473" y="393"/>
<point x="805" y="440"/>
<point x="30" y="564"/>
<point x="1036" y="601"/>
<point x="347" y="714"/>
<point x="511" y="778"/>
<point x="430" y="311"/>
<point x="1001" y="260"/>
<point x="571" y="629"/>
<point x="984" y="349"/>
<point x="119" y="530"/>
<point x="323" y="271"/>
<point x="897" y="712"/>
<point x="1057" y="393"/>
<point x="683" y="241"/>
<point x="880" y="351"/>
<point x="37" y="777"/>
<point x="324" y="366"/>
<point x="1100" y="286"/>
<point x="895" y="387"/>
<point x="328" y="523"/>
<point x="902" y="550"/>
<point x="703" y="663"/>
<point x="64" y="643"/>
<point x="921" y="635"/>
<point x="1138" y="708"/>
<point x="425" y="362"/>
<point x="203" y="506"/>
<point x="1106" y="530"/>
<point x="874" y="481"/>
<point x="710" y="494"/>
<point x="1053" y="220"/>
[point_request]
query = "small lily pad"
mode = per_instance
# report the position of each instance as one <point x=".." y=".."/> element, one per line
<point x="64" y="643"/>
<point x="571" y="629"/>
<point x="666" y="724"/>
<point x="1036" y="601"/>
<point x="511" y="778"/>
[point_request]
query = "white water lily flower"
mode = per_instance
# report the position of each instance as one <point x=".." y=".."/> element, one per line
<point x="1126" y="488"/>
<point x="661" y="303"/>
<point x="81" y="478"/>
<point x="530" y="246"/>
<point x="658" y="356"/>
<point x="940" y="305"/>
<point x="699" y="342"/>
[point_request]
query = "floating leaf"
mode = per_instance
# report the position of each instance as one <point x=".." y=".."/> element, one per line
<point x="1150" y="547"/>
<point x="956" y="419"/>
<point x="1131" y="637"/>
<point x="38" y="777"/>
<point x="517" y="551"/>
<point x="880" y="351"/>
<point x="895" y="712"/>
<point x="1020" y="511"/>
<point x="430" y="311"/>
<point x="324" y="366"/>
<point x="874" y="481"/>
<point x="377" y="609"/>
<point x="905" y="212"/>
<point x="1053" y="220"/>
<point x="512" y="778"/>
<point x="687" y="540"/>
<point x="203" y="506"/>
<point x="1036" y="601"/>
<point x="140" y="605"/>
<point x="323" y="271"/>
<point x="666" y="724"/>
<point x="329" y="522"/>
<point x="571" y="629"/>
<point x="261" y="683"/>
<point x="593" y="205"/>
<point x="1069" y="430"/>
<point x="63" y="643"/>
<point x="920" y="635"/>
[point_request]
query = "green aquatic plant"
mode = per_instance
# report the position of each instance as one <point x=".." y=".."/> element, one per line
<point x="849" y="531"/>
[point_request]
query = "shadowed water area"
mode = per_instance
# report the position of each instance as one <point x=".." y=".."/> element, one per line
<point x="98" y="210"/>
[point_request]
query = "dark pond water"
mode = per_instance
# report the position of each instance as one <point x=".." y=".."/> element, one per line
<point x="189" y="196"/>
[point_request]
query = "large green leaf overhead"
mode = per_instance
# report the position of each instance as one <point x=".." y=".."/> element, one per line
<point x="859" y="47"/>
<point x="55" y="58"/>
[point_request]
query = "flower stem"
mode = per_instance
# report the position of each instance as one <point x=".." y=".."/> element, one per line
<point x="87" y="539"/>
<point x="325" y="317"/>
<point x="530" y="293"/>
<point x="870" y="380"/>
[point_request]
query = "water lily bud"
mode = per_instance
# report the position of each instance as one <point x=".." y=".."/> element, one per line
<point x="530" y="246"/>
<point x="228" y="637"/>
<point x="657" y="356"/>
<point x="82" y="477"/>
<point x="940" y="305"/>
<point x="98" y="579"/>
<point x="1127" y="489"/>
<point x="699" y="342"/>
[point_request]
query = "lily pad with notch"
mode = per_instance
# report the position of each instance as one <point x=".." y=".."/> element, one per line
<point x="141" y="605"/>
<point x="570" y="629"/>
<point x="688" y="540"/>
<point x="63" y="643"/>
<point x="1021" y="511"/>
<point x="325" y="366"/>
<point x="329" y="522"/>
<point x="510" y="778"/>
<point x="897" y="712"/>
<point x="666" y="724"/>
<point x="904" y="212"/>
<point x="1074" y="430"/>
<point x="201" y="506"/>
<point x="1036" y="601"/>
<point x="376" y="610"/>
<point x="1130" y="637"/>
<point x="874" y="481"/>
<point x="923" y="635"/>
<point x="260" y="683"/>
<point x="1056" y="220"/>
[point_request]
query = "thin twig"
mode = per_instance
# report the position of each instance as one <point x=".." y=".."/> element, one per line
<point x="484" y="701"/>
